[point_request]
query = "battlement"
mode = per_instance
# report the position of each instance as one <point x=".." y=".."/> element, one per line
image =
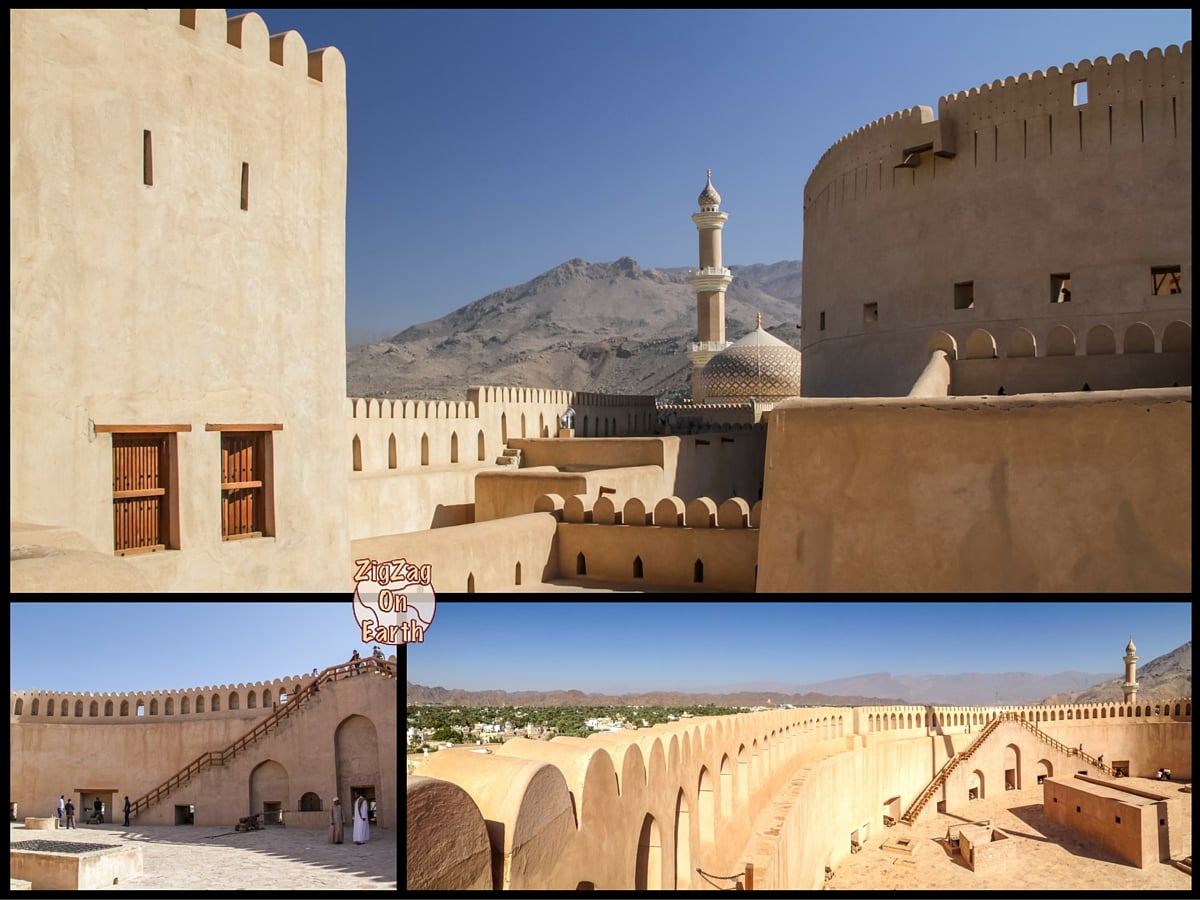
<point x="672" y="512"/>
<point x="209" y="700"/>
<point x="1122" y="83"/>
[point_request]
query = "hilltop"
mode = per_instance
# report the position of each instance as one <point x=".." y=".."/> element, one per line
<point x="610" y="327"/>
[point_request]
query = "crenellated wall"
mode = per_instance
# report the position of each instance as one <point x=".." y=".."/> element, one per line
<point x="208" y="702"/>
<point x="783" y="791"/>
<point x="345" y="734"/>
<point x="968" y="220"/>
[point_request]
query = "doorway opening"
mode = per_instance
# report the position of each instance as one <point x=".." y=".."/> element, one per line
<point x="368" y="791"/>
<point x="185" y="815"/>
<point x="272" y="813"/>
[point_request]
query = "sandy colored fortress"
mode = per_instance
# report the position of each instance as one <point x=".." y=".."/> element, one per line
<point x="775" y="797"/>
<point x="996" y="351"/>
<point x="211" y="755"/>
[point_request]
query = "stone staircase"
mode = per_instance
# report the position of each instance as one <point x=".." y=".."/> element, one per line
<point x="1183" y="865"/>
<point x="914" y="810"/>
<point x="511" y="457"/>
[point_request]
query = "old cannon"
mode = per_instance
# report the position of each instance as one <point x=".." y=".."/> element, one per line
<point x="249" y="823"/>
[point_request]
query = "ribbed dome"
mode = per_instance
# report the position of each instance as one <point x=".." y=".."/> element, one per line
<point x="759" y="365"/>
<point x="1129" y="648"/>
<point x="709" y="196"/>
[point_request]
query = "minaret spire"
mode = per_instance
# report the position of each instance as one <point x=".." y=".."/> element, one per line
<point x="1130" y="686"/>
<point x="709" y="282"/>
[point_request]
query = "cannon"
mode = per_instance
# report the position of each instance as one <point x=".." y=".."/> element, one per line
<point x="249" y="823"/>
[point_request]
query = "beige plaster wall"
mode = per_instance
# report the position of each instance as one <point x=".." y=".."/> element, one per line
<point x="482" y="556"/>
<point x="1092" y="810"/>
<point x="1004" y="162"/>
<point x="1078" y="492"/>
<point x="53" y="756"/>
<point x="168" y="303"/>
<point x="782" y="791"/>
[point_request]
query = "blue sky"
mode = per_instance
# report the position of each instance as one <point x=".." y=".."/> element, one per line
<point x="172" y="644"/>
<point x="627" y="646"/>
<point x="488" y="146"/>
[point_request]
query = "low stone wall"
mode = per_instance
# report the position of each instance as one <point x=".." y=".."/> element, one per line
<point x="37" y="823"/>
<point x="49" y="870"/>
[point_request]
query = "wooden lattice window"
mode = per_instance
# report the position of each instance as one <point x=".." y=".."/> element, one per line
<point x="247" y="507"/>
<point x="142" y="495"/>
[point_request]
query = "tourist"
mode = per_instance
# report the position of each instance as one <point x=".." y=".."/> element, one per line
<point x="1100" y="760"/>
<point x="378" y="654"/>
<point x="362" y="831"/>
<point x="127" y="810"/>
<point x="62" y="805"/>
<point x="99" y="807"/>
<point x="353" y="658"/>
<point x="314" y="677"/>
<point x="70" y="814"/>
<point x="336" y="822"/>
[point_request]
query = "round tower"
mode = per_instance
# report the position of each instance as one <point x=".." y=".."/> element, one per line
<point x="709" y="282"/>
<point x="1130" y="686"/>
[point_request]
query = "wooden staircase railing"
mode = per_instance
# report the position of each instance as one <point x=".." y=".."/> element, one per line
<point x="917" y="805"/>
<point x="212" y="758"/>
<point x="910" y="815"/>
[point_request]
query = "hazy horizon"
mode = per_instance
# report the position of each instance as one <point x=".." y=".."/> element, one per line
<point x="697" y="646"/>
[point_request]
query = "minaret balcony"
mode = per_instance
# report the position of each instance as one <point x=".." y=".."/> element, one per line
<point x="710" y="278"/>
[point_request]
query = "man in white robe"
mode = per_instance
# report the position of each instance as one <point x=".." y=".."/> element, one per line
<point x="362" y="830"/>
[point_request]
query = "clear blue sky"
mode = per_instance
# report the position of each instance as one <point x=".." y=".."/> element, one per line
<point x="488" y="146"/>
<point x="627" y="646"/>
<point x="172" y="644"/>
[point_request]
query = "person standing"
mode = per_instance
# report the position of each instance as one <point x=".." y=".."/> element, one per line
<point x="70" y="814"/>
<point x="354" y="659"/>
<point x="362" y="830"/>
<point x="127" y="810"/>
<point x="99" y="807"/>
<point x="62" y="808"/>
<point x="336" y="822"/>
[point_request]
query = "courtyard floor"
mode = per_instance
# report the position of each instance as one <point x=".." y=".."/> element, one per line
<point x="1048" y="856"/>
<point x="211" y="858"/>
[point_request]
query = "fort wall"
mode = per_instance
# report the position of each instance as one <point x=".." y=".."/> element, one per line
<point x="983" y="478"/>
<point x="973" y="187"/>
<point x="178" y="192"/>
<point x="311" y="751"/>
<point x="785" y="791"/>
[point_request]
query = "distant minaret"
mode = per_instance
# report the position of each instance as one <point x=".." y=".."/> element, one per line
<point x="709" y="282"/>
<point x="1130" y="686"/>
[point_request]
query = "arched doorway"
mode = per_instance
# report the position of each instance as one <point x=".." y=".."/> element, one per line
<point x="269" y="791"/>
<point x="1012" y="768"/>
<point x="356" y="745"/>
<point x="683" y="844"/>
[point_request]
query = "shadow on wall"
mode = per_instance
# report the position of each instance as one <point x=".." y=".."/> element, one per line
<point x="445" y="515"/>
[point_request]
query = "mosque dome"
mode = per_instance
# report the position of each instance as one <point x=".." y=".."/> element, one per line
<point x="758" y="365"/>
<point x="709" y="196"/>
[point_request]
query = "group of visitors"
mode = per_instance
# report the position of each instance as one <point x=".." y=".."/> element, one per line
<point x="362" y="827"/>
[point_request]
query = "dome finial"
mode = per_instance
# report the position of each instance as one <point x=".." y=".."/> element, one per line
<point x="759" y="319"/>
<point x="709" y="199"/>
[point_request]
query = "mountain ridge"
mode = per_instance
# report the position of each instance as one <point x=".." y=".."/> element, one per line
<point x="611" y="327"/>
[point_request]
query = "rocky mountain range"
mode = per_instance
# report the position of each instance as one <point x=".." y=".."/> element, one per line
<point x="419" y="695"/>
<point x="1167" y="677"/>
<point x="609" y="327"/>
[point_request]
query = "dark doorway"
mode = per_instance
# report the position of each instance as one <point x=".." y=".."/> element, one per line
<point x="272" y="813"/>
<point x="368" y="791"/>
<point x="185" y="815"/>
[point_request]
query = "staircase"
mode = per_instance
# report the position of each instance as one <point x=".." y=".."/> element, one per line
<point x="510" y="457"/>
<point x="214" y="758"/>
<point x="910" y="816"/>
<point x="914" y="809"/>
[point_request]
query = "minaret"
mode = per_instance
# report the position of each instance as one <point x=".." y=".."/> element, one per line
<point x="709" y="282"/>
<point x="1130" y="686"/>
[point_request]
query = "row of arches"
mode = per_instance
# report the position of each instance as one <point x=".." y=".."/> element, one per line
<point x="140" y="707"/>
<point x="930" y="719"/>
<point x="1061" y="341"/>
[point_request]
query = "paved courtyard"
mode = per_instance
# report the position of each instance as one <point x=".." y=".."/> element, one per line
<point x="211" y="858"/>
<point x="1048" y="856"/>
